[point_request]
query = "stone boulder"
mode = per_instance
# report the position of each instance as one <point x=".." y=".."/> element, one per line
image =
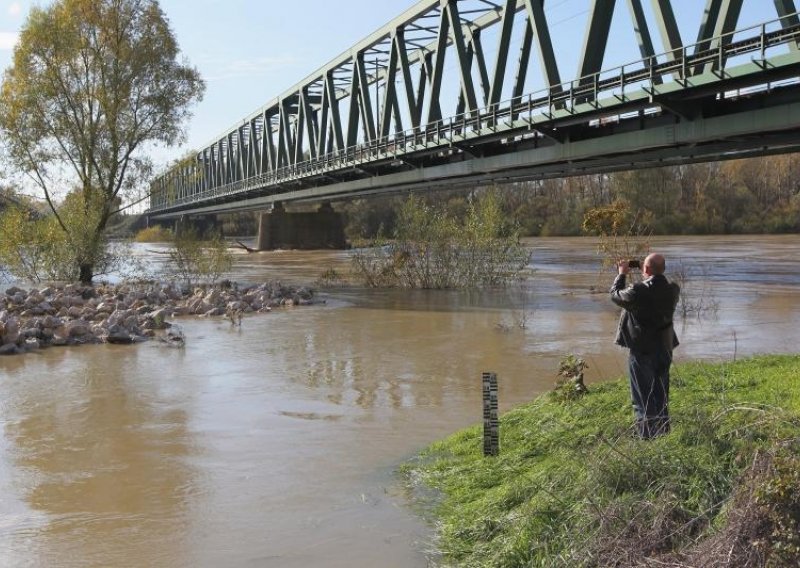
<point x="118" y="335"/>
<point x="9" y="349"/>
<point x="11" y="331"/>
<point x="78" y="328"/>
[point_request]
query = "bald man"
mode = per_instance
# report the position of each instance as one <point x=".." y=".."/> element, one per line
<point x="646" y="330"/>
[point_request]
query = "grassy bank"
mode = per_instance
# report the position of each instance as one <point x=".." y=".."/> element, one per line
<point x="572" y="487"/>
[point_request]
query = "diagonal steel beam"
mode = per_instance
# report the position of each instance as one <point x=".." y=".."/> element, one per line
<point x="522" y="65"/>
<point x="425" y="74"/>
<point x="311" y="122"/>
<point x="389" y="107"/>
<point x="300" y="132"/>
<point x="596" y="40"/>
<point x="707" y="25"/>
<point x="229" y="162"/>
<point x="480" y="60"/>
<point x="364" y="100"/>
<point x="408" y="82"/>
<point x="285" y="135"/>
<point x="353" y="119"/>
<point x="332" y="128"/>
<point x="464" y="58"/>
<point x="721" y="17"/>
<point x="461" y="105"/>
<point x="788" y="15"/>
<point x="255" y="158"/>
<point x="643" y="37"/>
<point x="241" y="155"/>
<point x="501" y="56"/>
<point x="547" y="58"/>
<point x="668" y="26"/>
<point x="435" y="84"/>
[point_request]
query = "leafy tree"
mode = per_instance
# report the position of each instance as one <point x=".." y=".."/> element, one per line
<point x="93" y="84"/>
<point x="31" y="247"/>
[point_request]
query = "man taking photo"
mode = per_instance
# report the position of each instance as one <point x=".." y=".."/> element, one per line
<point x="646" y="330"/>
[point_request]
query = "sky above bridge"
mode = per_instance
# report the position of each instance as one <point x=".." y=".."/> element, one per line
<point x="251" y="51"/>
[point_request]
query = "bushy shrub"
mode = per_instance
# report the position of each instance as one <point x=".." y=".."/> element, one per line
<point x="154" y="234"/>
<point x="195" y="260"/>
<point x="433" y="249"/>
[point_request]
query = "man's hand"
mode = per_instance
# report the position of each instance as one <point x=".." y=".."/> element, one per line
<point x="622" y="267"/>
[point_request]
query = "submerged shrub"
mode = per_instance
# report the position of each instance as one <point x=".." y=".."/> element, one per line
<point x="195" y="260"/>
<point x="433" y="249"/>
<point x="154" y="234"/>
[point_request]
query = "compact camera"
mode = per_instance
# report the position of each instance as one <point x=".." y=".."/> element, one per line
<point x="634" y="264"/>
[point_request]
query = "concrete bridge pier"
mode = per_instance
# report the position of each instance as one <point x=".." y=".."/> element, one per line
<point x="322" y="229"/>
<point x="202" y="225"/>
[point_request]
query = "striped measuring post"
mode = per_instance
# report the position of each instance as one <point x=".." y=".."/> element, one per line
<point x="491" y="423"/>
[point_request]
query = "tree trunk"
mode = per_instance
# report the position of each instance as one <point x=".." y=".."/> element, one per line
<point x="86" y="273"/>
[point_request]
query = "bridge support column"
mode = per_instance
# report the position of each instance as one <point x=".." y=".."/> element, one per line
<point x="323" y="229"/>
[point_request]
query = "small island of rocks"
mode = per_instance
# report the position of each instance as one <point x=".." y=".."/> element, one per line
<point x="75" y="314"/>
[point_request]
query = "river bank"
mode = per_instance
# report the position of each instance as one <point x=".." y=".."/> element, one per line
<point x="74" y="314"/>
<point x="573" y="487"/>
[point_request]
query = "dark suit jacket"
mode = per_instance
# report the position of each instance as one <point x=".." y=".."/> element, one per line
<point x="646" y="320"/>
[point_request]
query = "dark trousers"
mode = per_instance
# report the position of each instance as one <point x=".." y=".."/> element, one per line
<point x="649" y="374"/>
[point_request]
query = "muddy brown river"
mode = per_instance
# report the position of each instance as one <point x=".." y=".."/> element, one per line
<point x="276" y="444"/>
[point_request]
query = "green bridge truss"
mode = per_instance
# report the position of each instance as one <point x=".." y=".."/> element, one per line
<point x="732" y="93"/>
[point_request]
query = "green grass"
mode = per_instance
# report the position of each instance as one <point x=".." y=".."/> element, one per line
<point x="573" y="487"/>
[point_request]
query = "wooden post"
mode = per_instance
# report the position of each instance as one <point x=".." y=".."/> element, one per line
<point x="491" y="424"/>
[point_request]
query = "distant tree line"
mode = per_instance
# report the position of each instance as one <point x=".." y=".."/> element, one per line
<point x="754" y="195"/>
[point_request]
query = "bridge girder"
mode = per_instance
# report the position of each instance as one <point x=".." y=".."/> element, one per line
<point x="332" y="121"/>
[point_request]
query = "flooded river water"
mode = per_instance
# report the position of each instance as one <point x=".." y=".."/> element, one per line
<point x="276" y="444"/>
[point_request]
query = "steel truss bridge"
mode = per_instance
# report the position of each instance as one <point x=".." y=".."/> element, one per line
<point x="732" y="93"/>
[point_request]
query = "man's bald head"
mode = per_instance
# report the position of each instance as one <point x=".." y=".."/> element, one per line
<point x="655" y="264"/>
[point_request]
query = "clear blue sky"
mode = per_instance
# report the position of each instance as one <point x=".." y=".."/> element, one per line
<point x="250" y="51"/>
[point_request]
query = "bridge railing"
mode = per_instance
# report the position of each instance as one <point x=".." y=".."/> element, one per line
<point x="637" y="82"/>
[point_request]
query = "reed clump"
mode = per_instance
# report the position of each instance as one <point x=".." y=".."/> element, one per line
<point x="573" y="486"/>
